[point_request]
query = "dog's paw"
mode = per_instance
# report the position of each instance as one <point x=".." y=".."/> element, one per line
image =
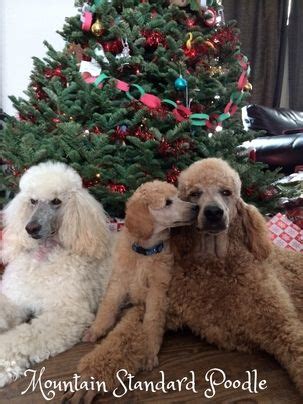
<point x="80" y="396"/>
<point x="152" y="362"/>
<point x="5" y="378"/>
<point x="90" y="335"/>
<point x="11" y="370"/>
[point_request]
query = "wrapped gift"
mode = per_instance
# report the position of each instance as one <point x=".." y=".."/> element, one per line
<point x="285" y="233"/>
<point x="296" y="216"/>
<point x="115" y="224"/>
<point x="294" y="206"/>
<point x="294" y="211"/>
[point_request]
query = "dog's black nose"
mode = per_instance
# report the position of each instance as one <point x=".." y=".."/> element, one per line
<point x="33" y="228"/>
<point x="195" y="208"/>
<point x="213" y="213"/>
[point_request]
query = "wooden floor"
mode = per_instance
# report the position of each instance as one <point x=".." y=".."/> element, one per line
<point x="181" y="353"/>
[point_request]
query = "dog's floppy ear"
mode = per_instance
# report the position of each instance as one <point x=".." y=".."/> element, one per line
<point x="138" y="220"/>
<point x="182" y="188"/>
<point x="255" y="229"/>
<point x="83" y="226"/>
<point x="15" y="238"/>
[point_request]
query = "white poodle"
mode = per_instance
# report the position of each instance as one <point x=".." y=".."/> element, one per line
<point x="57" y="246"/>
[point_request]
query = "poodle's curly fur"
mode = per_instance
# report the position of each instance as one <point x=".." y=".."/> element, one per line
<point x="53" y="282"/>
<point x="231" y="286"/>
<point x="138" y="279"/>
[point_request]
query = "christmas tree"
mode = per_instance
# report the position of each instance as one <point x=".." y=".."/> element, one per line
<point x="141" y="90"/>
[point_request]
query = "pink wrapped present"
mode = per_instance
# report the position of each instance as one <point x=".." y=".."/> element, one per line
<point x="115" y="224"/>
<point x="285" y="233"/>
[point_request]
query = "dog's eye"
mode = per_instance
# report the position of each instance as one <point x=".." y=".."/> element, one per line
<point x="168" y="202"/>
<point x="34" y="201"/>
<point x="226" y="192"/>
<point x="56" y="202"/>
<point x="195" y="194"/>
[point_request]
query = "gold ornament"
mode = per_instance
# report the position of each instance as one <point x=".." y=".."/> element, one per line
<point x="248" y="87"/>
<point x="97" y="28"/>
<point x="213" y="70"/>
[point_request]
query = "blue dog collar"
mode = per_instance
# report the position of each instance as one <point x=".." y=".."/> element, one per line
<point x="148" y="251"/>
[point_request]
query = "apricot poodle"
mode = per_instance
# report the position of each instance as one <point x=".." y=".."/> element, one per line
<point x="142" y="270"/>
<point x="231" y="285"/>
<point x="143" y="261"/>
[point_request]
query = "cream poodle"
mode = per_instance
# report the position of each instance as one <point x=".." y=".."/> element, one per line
<point x="56" y="246"/>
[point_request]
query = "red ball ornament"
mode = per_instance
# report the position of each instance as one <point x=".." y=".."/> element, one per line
<point x="190" y="53"/>
<point x="58" y="72"/>
<point x="56" y="120"/>
<point x="114" y="46"/>
<point x="191" y="22"/>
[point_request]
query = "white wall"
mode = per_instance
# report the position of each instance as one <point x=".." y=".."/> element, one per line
<point x="24" y="25"/>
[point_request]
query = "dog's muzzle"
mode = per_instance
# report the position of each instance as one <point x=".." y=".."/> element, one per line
<point x="212" y="220"/>
<point x="33" y="229"/>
